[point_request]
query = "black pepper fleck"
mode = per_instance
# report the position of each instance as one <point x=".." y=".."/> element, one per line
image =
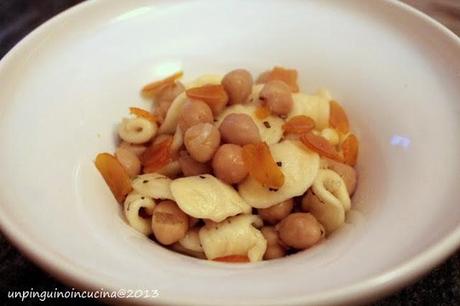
<point x="142" y="198"/>
<point x="145" y="181"/>
<point x="279" y="164"/>
<point x="272" y="189"/>
<point x="202" y="177"/>
<point x="267" y="124"/>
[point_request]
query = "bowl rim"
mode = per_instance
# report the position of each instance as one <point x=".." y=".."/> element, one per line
<point x="368" y="289"/>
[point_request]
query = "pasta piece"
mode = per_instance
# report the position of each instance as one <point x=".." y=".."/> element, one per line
<point x="205" y="79"/>
<point x="180" y="249"/>
<point x="299" y="167"/>
<point x="270" y="128"/>
<point x="191" y="241"/>
<point x="137" y="130"/>
<point x="330" y="188"/>
<point x="154" y="185"/>
<point x="254" y="96"/>
<point x="172" y="116"/>
<point x="133" y="203"/>
<point x="178" y="140"/>
<point x="315" y="107"/>
<point x="204" y="196"/>
<point x="330" y="214"/>
<point x="235" y="236"/>
<point x="331" y="135"/>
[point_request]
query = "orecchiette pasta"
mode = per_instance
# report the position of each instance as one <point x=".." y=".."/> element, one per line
<point x="154" y="185"/>
<point x="330" y="214"/>
<point x="315" y="107"/>
<point x="206" y="79"/>
<point x="178" y="140"/>
<point x="299" y="167"/>
<point x="331" y="135"/>
<point x="133" y="203"/>
<point x="137" y="130"/>
<point x="172" y="116"/>
<point x="234" y="236"/>
<point x="204" y="196"/>
<point x="191" y="241"/>
<point x="330" y="188"/>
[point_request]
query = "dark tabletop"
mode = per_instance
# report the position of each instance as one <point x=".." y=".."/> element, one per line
<point x="19" y="17"/>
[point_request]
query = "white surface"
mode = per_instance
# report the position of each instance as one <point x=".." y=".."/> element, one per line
<point x="66" y="86"/>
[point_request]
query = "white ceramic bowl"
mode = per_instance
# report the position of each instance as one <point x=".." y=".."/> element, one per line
<point x="67" y="84"/>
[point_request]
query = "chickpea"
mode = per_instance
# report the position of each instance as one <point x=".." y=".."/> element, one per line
<point x="170" y="92"/>
<point x="135" y="148"/>
<point x="194" y="112"/>
<point x="228" y="164"/>
<point x="202" y="141"/>
<point x="273" y="252"/>
<point x="277" y="96"/>
<point x="129" y="161"/>
<point x="169" y="223"/>
<point x="277" y="212"/>
<point x="239" y="129"/>
<point x="191" y="167"/>
<point x="263" y="77"/>
<point x="300" y="230"/>
<point x="238" y="85"/>
<point x="275" y="248"/>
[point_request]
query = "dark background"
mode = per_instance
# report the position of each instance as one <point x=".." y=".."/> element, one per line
<point x="19" y="17"/>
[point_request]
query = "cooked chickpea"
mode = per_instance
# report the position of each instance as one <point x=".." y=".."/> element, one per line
<point x="202" y="141"/>
<point x="275" y="248"/>
<point x="277" y="97"/>
<point x="263" y="77"/>
<point x="277" y="212"/>
<point x="300" y="230"/>
<point x="191" y="167"/>
<point x="238" y="85"/>
<point x="169" y="223"/>
<point x="228" y="164"/>
<point x="194" y="112"/>
<point x="274" y="251"/>
<point x="129" y="160"/>
<point x="239" y="129"/>
<point x="169" y="93"/>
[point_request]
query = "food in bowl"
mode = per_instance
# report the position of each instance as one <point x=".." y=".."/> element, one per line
<point x="228" y="169"/>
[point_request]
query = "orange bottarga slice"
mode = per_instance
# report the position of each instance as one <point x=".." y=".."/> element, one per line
<point x="299" y="125"/>
<point x="232" y="258"/>
<point x="213" y="95"/>
<point x="262" y="112"/>
<point x="157" y="155"/>
<point x="350" y="150"/>
<point x="151" y="89"/>
<point x="320" y="145"/>
<point x="288" y="76"/>
<point x="114" y="175"/>
<point x="261" y="165"/>
<point x="338" y="118"/>
<point x="139" y="112"/>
